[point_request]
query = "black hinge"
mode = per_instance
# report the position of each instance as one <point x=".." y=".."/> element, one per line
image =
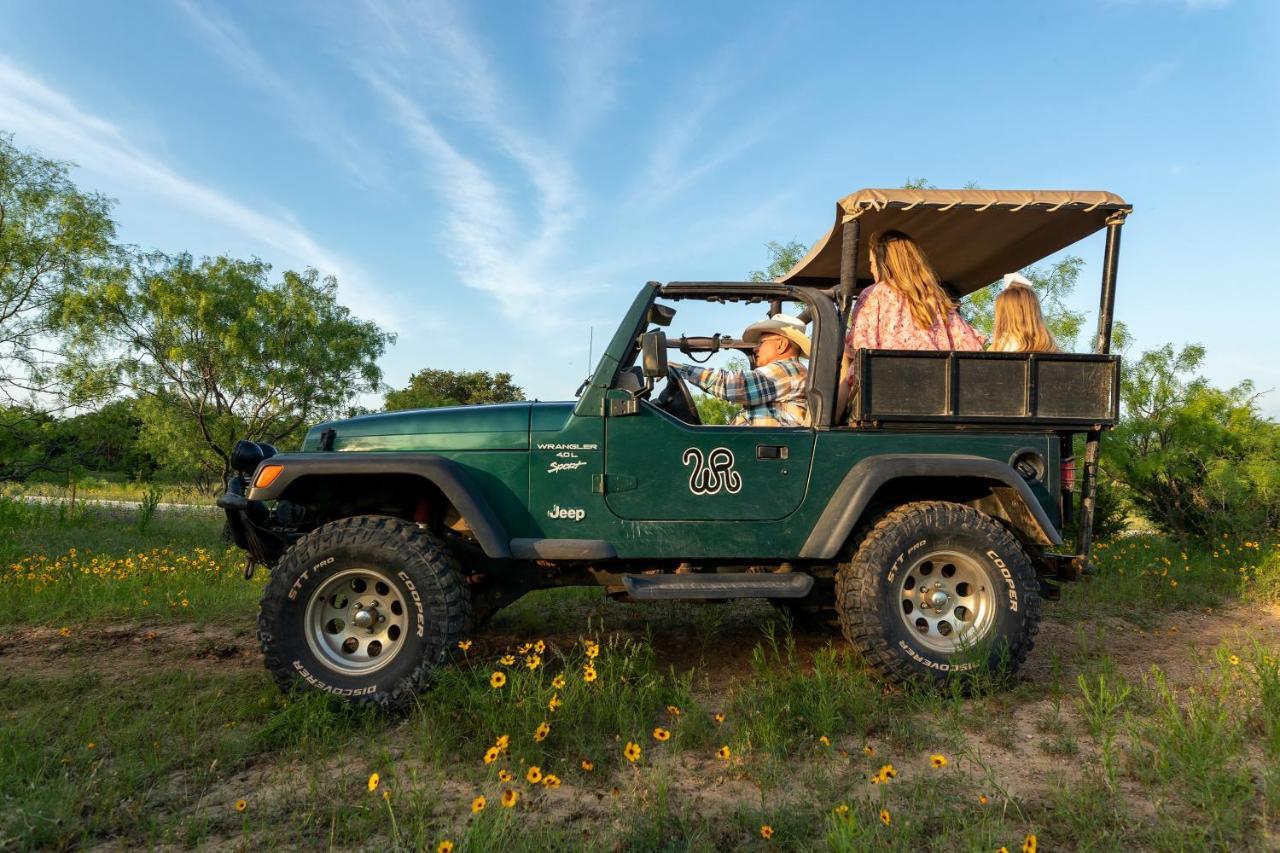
<point x="609" y="484"/>
<point x="615" y="407"/>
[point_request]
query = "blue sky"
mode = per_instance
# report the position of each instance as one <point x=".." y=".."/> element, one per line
<point x="491" y="180"/>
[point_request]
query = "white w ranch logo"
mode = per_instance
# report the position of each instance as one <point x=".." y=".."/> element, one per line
<point x="713" y="473"/>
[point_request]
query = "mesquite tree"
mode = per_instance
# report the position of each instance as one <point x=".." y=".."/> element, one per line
<point x="215" y="351"/>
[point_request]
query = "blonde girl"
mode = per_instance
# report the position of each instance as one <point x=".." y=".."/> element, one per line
<point x="1019" y="322"/>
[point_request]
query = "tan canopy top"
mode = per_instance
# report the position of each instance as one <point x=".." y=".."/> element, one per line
<point x="972" y="237"/>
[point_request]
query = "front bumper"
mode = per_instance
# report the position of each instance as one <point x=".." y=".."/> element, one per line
<point x="249" y="524"/>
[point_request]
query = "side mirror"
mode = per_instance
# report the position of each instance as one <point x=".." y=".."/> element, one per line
<point x="661" y="315"/>
<point x="653" y="354"/>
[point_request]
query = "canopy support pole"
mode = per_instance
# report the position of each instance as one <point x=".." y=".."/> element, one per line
<point x="1106" y="305"/>
<point x="848" y="268"/>
<point x="1102" y="346"/>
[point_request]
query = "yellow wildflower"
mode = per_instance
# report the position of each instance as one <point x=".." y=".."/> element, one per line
<point x="241" y="805"/>
<point x="509" y="798"/>
<point x="551" y="780"/>
<point x="465" y="645"/>
<point x="632" y="752"/>
<point x="558" y="682"/>
<point x="478" y="804"/>
<point x="497" y="680"/>
<point x="938" y="760"/>
<point x="534" y="774"/>
<point x="542" y="731"/>
<point x="373" y="781"/>
<point x="885" y="817"/>
<point x="445" y="846"/>
<point x="724" y="752"/>
<point x="661" y="734"/>
<point x="507" y="660"/>
<point x="491" y="754"/>
<point x="766" y="831"/>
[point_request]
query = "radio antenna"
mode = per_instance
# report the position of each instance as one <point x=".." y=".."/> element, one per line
<point x="591" y="340"/>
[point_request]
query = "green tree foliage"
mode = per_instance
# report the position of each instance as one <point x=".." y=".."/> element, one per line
<point x="53" y="238"/>
<point x="1196" y="460"/>
<point x="103" y="441"/>
<point x="782" y="257"/>
<point x="215" y="351"/>
<point x="713" y="411"/>
<point x="429" y="389"/>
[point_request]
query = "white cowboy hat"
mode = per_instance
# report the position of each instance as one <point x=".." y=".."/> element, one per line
<point x="1016" y="278"/>
<point x="791" y="328"/>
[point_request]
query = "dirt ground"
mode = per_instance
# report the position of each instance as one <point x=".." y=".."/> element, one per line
<point x="1009" y="754"/>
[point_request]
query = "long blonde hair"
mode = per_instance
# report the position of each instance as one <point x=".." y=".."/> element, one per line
<point x="1019" y="324"/>
<point x="902" y="265"/>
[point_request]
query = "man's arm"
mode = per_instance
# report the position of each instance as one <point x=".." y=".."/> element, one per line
<point x="753" y="388"/>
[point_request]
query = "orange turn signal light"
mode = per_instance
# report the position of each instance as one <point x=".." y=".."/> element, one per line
<point x="267" y="475"/>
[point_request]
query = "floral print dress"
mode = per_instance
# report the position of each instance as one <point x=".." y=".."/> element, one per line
<point x="882" y="320"/>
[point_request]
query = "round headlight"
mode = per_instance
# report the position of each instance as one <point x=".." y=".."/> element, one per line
<point x="247" y="455"/>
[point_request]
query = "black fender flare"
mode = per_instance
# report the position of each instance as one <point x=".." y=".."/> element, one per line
<point x="445" y="474"/>
<point x="860" y="484"/>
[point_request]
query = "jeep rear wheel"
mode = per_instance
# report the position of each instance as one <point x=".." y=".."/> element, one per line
<point x="365" y="608"/>
<point x="937" y="588"/>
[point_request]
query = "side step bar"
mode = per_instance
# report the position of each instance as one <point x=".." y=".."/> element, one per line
<point x="739" y="585"/>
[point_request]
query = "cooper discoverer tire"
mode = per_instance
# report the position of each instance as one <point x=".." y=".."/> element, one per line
<point x="365" y="608"/>
<point x="936" y="588"/>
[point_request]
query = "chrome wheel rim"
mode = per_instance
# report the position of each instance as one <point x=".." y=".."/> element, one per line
<point x="946" y="601"/>
<point x="356" y="621"/>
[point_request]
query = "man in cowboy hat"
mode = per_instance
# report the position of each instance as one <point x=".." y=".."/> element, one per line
<point x="774" y="393"/>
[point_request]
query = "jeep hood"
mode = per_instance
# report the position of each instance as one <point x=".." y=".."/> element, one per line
<point x="499" y="426"/>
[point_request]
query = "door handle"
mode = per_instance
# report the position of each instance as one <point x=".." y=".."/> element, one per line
<point x="771" y="451"/>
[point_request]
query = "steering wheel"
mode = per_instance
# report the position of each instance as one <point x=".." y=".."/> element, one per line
<point x="676" y="400"/>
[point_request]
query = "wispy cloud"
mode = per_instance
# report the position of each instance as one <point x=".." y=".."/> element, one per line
<point x="594" y="37"/>
<point x="45" y="118"/>
<point x="307" y="110"/>
<point x="438" y="81"/>
<point x="683" y="153"/>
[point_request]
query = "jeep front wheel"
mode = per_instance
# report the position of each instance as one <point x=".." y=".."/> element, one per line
<point x="937" y="588"/>
<point x="365" y="608"/>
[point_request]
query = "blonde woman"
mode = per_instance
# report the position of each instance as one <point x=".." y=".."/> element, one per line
<point x="1019" y="322"/>
<point x="906" y="308"/>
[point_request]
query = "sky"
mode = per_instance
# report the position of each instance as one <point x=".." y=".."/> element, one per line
<point x="494" y="181"/>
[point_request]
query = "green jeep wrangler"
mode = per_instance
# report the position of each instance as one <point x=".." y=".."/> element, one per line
<point x="926" y="520"/>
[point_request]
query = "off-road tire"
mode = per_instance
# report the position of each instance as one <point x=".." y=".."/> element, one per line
<point x="421" y="572"/>
<point x="868" y="597"/>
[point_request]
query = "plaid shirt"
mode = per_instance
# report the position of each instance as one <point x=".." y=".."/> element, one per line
<point x="773" y="395"/>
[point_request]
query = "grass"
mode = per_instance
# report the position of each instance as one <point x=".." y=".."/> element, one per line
<point x="1094" y="753"/>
